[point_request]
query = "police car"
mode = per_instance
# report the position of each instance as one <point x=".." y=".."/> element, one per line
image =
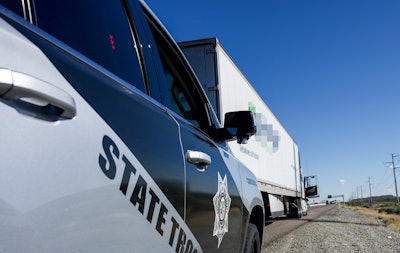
<point x="108" y="142"/>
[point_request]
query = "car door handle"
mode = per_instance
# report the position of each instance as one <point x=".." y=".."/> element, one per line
<point x="15" y="85"/>
<point x="200" y="159"/>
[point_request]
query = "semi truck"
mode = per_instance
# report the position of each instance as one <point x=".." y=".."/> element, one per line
<point x="273" y="155"/>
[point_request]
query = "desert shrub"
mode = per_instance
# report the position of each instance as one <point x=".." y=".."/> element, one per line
<point x="390" y="209"/>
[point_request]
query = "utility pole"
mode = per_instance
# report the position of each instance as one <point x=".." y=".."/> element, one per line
<point x="361" y="193"/>
<point x="394" y="173"/>
<point x="357" y="192"/>
<point x="370" y="196"/>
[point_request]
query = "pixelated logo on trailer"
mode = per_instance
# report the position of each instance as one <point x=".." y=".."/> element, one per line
<point x="266" y="136"/>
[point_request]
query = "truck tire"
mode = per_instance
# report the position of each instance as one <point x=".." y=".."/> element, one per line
<point x="252" y="244"/>
<point x="299" y="213"/>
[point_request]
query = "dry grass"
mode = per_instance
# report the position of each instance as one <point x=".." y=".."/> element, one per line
<point x="391" y="220"/>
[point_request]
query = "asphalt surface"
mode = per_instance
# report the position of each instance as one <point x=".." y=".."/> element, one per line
<point x="279" y="227"/>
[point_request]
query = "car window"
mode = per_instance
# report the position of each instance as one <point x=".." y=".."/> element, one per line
<point x="15" y="6"/>
<point x="183" y="95"/>
<point x="176" y="99"/>
<point x="98" y="29"/>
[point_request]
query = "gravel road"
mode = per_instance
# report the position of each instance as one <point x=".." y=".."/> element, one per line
<point x="338" y="230"/>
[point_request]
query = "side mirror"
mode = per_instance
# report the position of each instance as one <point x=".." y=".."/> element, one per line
<point x="311" y="186"/>
<point x="311" y="191"/>
<point x="238" y="126"/>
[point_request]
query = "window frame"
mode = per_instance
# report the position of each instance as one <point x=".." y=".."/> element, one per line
<point x="192" y="90"/>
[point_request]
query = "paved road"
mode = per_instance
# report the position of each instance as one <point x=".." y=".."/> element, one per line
<point x="281" y="226"/>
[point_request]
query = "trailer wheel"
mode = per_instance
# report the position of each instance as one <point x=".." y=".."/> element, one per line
<point x="252" y="244"/>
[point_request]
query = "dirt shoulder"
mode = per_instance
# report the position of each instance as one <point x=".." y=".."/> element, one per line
<point x="339" y="230"/>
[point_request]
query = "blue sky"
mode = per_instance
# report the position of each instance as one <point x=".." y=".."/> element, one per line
<point x="328" y="69"/>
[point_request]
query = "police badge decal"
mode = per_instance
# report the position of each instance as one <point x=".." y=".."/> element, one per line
<point x="222" y="203"/>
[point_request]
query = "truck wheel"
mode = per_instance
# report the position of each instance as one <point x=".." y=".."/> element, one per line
<point x="252" y="244"/>
<point x="299" y="213"/>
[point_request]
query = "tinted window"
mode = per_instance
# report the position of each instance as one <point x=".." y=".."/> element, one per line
<point x="15" y="6"/>
<point x="97" y="29"/>
<point x="183" y="94"/>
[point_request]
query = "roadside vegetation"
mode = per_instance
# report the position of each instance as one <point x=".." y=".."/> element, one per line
<point x="383" y="208"/>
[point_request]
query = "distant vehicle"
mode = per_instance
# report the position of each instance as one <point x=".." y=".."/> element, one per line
<point x="109" y="143"/>
<point x="273" y="156"/>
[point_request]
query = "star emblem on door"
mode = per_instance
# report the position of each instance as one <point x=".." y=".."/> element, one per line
<point x="222" y="204"/>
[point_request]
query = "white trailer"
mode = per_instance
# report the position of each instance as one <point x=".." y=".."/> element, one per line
<point x="272" y="154"/>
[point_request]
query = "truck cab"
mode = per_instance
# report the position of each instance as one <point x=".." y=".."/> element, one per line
<point x="109" y="143"/>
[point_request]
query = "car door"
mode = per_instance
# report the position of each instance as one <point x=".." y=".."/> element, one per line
<point x="109" y="175"/>
<point x="214" y="209"/>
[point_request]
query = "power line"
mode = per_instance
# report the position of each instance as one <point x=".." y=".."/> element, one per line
<point x="385" y="182"/>
<point x="385" y="177"/>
